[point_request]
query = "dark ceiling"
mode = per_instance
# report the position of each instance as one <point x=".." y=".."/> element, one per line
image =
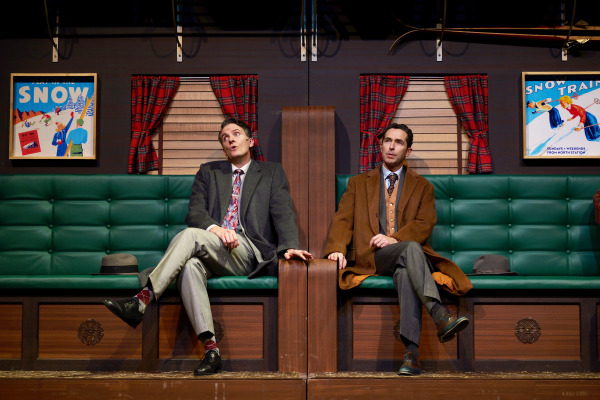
<point x="373" y="19"/>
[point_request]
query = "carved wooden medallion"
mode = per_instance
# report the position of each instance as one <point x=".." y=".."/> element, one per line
<point x="528" y="330"/>
<point x="90" y="332"/>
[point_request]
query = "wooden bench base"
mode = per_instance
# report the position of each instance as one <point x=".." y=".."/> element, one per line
<point x="257" y="330"/>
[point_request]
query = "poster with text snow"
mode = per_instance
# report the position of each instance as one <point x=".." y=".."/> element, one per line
<point x="53" y="116"/>
<point x="560" y="114"/>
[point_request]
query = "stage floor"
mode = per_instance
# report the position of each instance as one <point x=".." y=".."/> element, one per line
<point x="64" y="385"/>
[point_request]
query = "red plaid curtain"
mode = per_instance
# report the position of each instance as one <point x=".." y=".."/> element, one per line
<point x="469" y="97"/>
<point x="238" y="95"/>
<point x="380" y="96"/>
<point x="150" y="99"/>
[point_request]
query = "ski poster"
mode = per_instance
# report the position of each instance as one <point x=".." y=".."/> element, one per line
<point x="53" y="116"/>
<point x="561" y="114"/>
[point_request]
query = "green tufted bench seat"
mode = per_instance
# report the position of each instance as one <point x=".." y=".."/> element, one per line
<point x="54" y="231"/>
<point x="544" y="225"/>
<point x="544" y="318"/>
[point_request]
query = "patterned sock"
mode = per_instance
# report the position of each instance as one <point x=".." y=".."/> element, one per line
<point x="411" y="347"/>
<point x="145" y="296"/>
<point x="211" y="344"/>
<point x="437" y="311"/>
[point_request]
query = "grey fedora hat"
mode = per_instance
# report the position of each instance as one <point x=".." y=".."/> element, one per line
<point x="118" y="264"/>
<point x="491" y="264"/>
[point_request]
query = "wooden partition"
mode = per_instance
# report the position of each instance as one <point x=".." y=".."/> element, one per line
<point x="308" y="157"/>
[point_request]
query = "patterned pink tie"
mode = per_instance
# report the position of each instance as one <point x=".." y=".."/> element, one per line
<point x="231" y="219"/>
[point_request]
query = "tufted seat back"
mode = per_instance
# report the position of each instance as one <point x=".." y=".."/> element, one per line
<point x="65" y="224"/>
<point x="544" y="224"/>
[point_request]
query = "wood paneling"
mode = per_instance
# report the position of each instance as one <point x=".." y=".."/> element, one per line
<point x="292" y="317"/>
<point x="242" y="332"/>
<point x="58" y="333"/>
<point x="322" y="311"/>
<point x="308" y="158"/>
<point x="294" y="152"/>
<point x="495" y="339"/>
<point x="321" y="176"/>
<point x="164" y="388"/>
<point x="464" y="388"/>
<point x="373" y="335"/>
<point x="11" y="330"/>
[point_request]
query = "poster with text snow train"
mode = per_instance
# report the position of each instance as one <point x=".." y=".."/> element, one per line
<point x="561" y="112"/>
<point x="53" y="116"/>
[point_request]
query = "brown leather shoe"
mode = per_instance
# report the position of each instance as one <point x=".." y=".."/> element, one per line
<point x="448" y="326"/>
<point x="410" y="366"/>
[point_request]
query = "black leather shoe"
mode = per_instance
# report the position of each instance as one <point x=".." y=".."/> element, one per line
<point x="410" y="366"/>
<point x="211" y="364"/>
<point x="127" y="310"/>
<point x="448" y="326"/>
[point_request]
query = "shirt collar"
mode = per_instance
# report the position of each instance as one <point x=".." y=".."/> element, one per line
<point x="386" y="171"/>
<point x="243" y="168"/>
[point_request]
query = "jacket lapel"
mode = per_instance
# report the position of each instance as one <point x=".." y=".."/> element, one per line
<point x="224" y="187"/>
<point x="373" y="192"/>
<point x="250" y="183"/>
<point x="410" y="182"/>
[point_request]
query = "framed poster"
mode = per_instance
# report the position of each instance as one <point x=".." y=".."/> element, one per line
<point x="53" y="116"/>
<point x="561" y="112"/>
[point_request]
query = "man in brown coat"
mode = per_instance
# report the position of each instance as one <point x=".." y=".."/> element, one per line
<point x="383" y="222"/>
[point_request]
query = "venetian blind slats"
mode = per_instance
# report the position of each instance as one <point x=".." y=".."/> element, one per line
<point x="189" y="130"/>
<point x="426" y="109"/>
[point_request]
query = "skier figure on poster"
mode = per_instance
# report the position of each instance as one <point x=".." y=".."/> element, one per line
<point x="544" y="105"/>
<point x="76" y="139"/>
<point x="587" y="120"/>
<point x="60" y="137"/>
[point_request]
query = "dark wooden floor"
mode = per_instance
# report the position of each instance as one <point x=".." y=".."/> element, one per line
<point x="65" y="385"/>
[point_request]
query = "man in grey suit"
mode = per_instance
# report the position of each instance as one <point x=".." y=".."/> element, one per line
<point x="240" y="222"/>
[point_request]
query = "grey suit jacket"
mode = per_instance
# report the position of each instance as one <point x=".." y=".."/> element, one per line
<point x="266" y="209"/>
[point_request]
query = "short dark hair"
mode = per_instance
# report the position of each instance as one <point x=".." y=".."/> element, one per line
<point x="238" y="122"/>
<point x="409" y="132"/>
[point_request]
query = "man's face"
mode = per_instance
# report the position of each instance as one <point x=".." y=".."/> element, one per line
<point x="236" y="144"/>
<point x="394" y="149"/>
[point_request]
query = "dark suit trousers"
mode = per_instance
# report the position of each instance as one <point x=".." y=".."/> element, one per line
<point x="411" y="271"/>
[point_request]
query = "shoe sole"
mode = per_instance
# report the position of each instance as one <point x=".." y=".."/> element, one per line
<point x="451" y="334"/>
<point x="218" y="370"/>
<point x="407" y="373"/>
<point x="116" y="312"/>
<point x="208" y="373"/>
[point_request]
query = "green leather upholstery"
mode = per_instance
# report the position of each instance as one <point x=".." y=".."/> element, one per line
<point x="544" y="224"/>
<point x="55" y="229"/>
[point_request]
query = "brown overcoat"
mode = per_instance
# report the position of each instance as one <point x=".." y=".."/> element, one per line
<point x="357" y="221"/>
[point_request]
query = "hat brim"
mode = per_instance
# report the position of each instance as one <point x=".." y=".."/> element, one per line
<point x="495" y="273"/>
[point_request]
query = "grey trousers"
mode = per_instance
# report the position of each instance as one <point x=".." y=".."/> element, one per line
<point x="193" y="256"/>
<point x="411" y="271"/>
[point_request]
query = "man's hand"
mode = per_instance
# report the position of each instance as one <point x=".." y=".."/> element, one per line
<point x="339" y="257"/>
<point x="301" y="254"/>
<point x="381" y="241"/>
<point x="228" y="237"/>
